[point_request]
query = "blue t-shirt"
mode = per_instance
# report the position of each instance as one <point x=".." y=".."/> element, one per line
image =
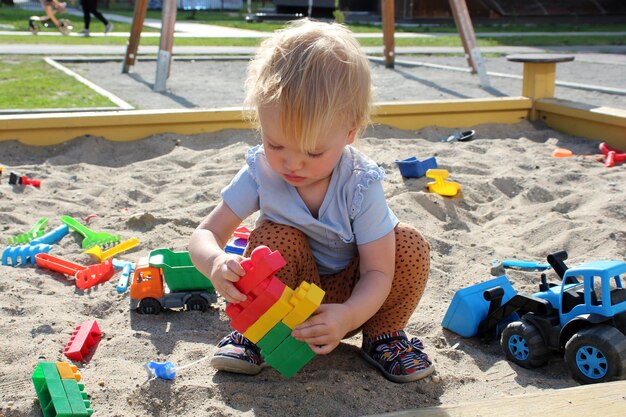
<point x="354" y="210"/>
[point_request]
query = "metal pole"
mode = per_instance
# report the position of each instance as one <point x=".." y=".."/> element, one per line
<point x="164" y="60"/>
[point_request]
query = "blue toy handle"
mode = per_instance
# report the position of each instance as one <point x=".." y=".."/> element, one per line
<point x="524" y="264"/>
<point x="163" y="370"/>
<point x="122" y="284"/>
<point x="52" y="236"/>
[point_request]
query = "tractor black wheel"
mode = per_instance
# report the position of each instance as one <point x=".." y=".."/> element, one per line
<point x="196" y="303"/>
<point x="597" y="354"/>
<point x="522" y="344"/>
<point x="149" y="306"/>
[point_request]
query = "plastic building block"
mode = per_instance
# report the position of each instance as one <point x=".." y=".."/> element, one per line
<point x="59" y="392"/>
<point x="290" y="356"/>
<point x="84" y="338"/>
<point x="94" y="274"/>
<point x="91" y="238"/>
<point x="23" y="254"/>
<point x="242" y="232"/>
<point x="440" y="186"/>
<point x="238" y="246"/>
<point x="414" y="168"/>
<point x="101" y="255"/>
<point x="37" y="230"/>
<point x="306" y="299"/>
<point x="244" y="318"/>
<point x="273" y="338"/>
<point x="16" y="178"/>
<point x="68" y="371"/>
<point x="262" y="264"/>
<point x="52" y="236"/>
<point x="271" y="317"/>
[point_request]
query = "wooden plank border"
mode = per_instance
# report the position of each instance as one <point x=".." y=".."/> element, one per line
<point x="607" y="400"/>
<point x="593" y="122"/>
<point x="49" y="129"/>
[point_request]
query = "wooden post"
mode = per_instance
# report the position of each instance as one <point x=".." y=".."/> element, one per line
<point x="164" y="59"/>
<point x="141" y="6"/>
<point x="539" y="75"/>
<point x="468" y="38"/>
<point x="388" y="32"/>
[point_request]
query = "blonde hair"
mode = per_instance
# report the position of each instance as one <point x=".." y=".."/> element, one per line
<point x="318" y="77"/>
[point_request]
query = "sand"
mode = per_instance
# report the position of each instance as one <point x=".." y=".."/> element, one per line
<point x="517" y="201"/>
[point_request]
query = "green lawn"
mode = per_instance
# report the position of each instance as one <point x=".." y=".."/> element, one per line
<point x="30" y="83"/>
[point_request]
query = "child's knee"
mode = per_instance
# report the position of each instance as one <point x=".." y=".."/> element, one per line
<point x="409" y="239"/>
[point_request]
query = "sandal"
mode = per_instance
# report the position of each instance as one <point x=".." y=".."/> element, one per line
<point x="460" y="136"/>
<point x="237" y="354"/>
<point x="397" y="358"/>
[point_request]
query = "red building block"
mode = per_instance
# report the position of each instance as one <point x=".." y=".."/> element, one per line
<point x="259" y="306"/>
<point x="262" y="264"/>
<point x="84" y="338"/>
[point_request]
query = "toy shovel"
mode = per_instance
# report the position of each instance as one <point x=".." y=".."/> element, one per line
<point x="91" y="238"/>
<point x="121" y="247"/>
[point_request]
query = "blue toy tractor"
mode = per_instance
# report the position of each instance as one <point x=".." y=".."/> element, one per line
<point x="584" y="316"/>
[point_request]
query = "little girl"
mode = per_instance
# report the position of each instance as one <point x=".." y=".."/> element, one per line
<point x="321" y="205"/>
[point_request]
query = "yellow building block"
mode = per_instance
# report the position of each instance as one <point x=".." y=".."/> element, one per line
<point x="68" y="371"/>
<point x="271" y="317"/>
<point x="306" y="299"/>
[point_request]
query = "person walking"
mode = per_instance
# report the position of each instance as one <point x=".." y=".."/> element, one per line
<point x="90" y="7"/>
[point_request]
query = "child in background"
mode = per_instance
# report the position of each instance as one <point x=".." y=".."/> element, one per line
<point x="52" y="7"/>
<point x="321" y="205"/>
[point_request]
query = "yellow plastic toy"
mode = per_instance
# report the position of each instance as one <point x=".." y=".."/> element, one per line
<point x="97" y="252"/>
<point x="440" y="186"/>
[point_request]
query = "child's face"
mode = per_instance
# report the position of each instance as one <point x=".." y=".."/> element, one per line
<point x="298" y="168"/>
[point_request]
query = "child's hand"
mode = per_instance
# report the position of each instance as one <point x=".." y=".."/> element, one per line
<point x="324" y="330"/>
<point x="226" y="270"/>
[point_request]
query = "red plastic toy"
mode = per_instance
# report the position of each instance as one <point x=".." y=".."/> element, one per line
<point x="16" y="178"/>
<point x="95" y="274"/>
<point x="242" y="232"/>
<point x="262" y="264"/>
<point x="85" y="276"/>
<point x="83" y="339"/>
<point x="611" y="156"/>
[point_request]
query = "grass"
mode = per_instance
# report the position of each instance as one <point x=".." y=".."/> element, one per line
<point x="30" y="83"/>
<point x="19" y="75"/>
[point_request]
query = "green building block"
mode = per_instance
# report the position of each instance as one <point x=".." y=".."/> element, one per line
<point x="290" y="356"/>
<point x="52" y="391"/>
<point x="273" y="338"/>
<point x="77" y="398"/>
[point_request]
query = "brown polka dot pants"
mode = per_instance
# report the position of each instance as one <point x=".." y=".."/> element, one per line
<point x="409" y="280"/>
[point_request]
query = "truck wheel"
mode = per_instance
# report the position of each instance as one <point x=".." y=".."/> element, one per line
<point x="196" y="303"/>
<point x="149" y="306"/>
<point x="597" y="354"/>
<point x="522" y="344"/>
